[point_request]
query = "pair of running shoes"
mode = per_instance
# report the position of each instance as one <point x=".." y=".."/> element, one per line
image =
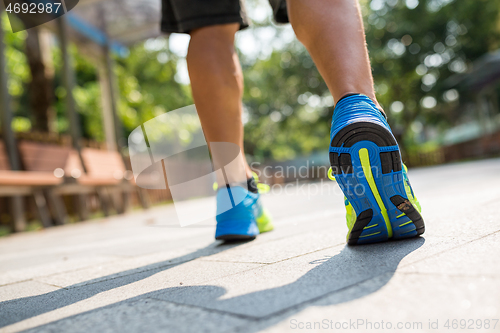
<point x="365" y="162"/>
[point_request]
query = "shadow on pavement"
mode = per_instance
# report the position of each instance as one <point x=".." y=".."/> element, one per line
<point x="353" y="273"/>
<point x="16" y="310"/>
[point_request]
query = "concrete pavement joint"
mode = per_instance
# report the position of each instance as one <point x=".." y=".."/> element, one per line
<point x="104" y="279"/>
<point x="494" y="277"/>
<point x="232" y="314"/>
<point x="52" y="285"/>
<point x="15" y="282"/>
<point x="450" y="249"/>
<point x="275" y="262"/>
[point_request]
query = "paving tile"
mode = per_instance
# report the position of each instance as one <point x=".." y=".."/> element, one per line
<point x="120" y="244"/>
<point x="270" y="251"/>
<point x="129" y="266"/>
<point x="476" y="258"/>
<point x="24" y="289"/>
<point x="413" y="300"/>
<point x="145" y="315"/>
<point x="306" y="197"/>
<point x="64" y="264"/>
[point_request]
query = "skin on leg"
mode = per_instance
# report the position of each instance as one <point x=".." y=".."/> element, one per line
<point x="217" y="86"/>
<point x="333" y="33"/>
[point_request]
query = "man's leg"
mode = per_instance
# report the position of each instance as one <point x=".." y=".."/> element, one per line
<point x="217" y="85"/>
<point x="332" y="32"/>
<point x="364" y="155"/>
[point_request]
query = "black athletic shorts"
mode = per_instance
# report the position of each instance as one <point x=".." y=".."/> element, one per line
<point x="186" y="15"/>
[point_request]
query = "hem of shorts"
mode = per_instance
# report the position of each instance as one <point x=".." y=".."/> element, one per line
<point x="187" y="26"/>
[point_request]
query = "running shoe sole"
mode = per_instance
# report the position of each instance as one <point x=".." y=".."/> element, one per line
<point x="366" y="163"/>
<point x="230" y="238"/>
<point x="236" y="230"/>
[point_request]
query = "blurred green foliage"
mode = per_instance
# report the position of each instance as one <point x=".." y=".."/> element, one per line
<point x="286" y="104"/>
<point x="415" y="45"/>
<point x="147" y="86"/>
<point x="19" y="74"/>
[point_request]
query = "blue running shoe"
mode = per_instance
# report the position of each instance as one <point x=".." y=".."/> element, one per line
<point x="366" y="163"/>
<point x="240" y="215"/>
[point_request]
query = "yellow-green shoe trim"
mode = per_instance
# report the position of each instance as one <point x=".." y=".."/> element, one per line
<point x="265" y="221"/>
<point x="365" y="163"/>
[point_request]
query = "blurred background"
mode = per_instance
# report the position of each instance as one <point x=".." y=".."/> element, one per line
<point x="73" y="89"/>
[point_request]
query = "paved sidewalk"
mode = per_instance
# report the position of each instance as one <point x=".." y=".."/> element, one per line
<point x="142" y="272"/>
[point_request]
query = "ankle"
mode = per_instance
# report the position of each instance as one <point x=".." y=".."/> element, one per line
<point x="373" y="99"/>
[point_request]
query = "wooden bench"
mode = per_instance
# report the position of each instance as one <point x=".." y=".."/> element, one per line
<point x="105" y="174"/>
<point x="106" y="169"/>
<point x="103" y="167"/>
<point x="102" y="172"/>
<point x="25" y="183"/>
